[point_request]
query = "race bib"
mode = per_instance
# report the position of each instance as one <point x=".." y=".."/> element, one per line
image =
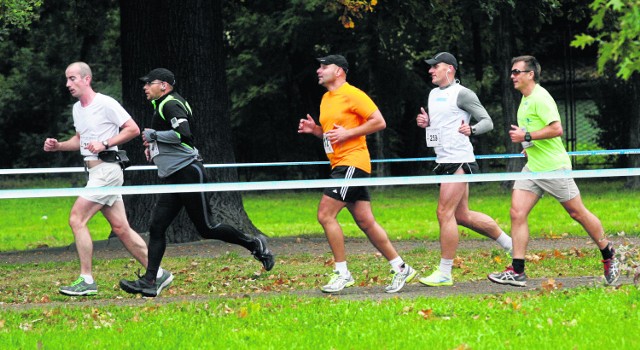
<point x="153" y="149"/>
<point x="327" y="144"/>
<point x="84" y="142"/>
<point x="434" y="137"/>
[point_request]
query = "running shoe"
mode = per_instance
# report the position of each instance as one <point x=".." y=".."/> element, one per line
<point x="611" y="267"/>
<point x="79" y="287"/>
<point x="263" y="254"/>
<point x="146" y="287"/>
<point x="509" y="276"/>
<point x="437" y="279"/>
<point x="338" y="282"/>
<point x="400" y="279"/>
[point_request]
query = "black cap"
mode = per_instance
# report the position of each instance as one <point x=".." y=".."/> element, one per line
<point x="161" y="74"/>
<point x="338" y="60"/>
<point x="443" y="57"/>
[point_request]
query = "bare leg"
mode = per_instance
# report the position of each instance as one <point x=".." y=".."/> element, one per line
<point x="521" y="204"/>
<point x="451" y="195"/>
<point x="363" y="215"/>
<point x="131" y="240"/>
<point x="328" y="210"/>
<point x="81" y="212"/>
<point x="589" y="222"/>
<point x="474" y="220"/>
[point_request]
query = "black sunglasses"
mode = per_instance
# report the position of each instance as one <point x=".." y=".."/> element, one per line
<point x="517" y="71"/>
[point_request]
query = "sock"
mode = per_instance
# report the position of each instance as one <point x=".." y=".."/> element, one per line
<point x="445" y="266"/>
<point x="397" y="264"/>
<point x="505" y="241"/>
<point x="518" y="265"/>
<point x="341" y="267"/>
<point x="160" y="272"/>
<point x="606" y="252"/>
<point x="87" y="278"/>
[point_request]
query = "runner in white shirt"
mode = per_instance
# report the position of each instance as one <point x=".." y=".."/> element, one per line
<point x="101" y="124"/>
<point x="447" y="126"/>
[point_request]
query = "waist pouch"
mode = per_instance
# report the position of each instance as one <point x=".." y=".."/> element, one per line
<point x="119" y="157"/>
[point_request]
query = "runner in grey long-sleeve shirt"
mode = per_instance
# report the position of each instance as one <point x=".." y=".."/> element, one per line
<point x="447" y="126"/>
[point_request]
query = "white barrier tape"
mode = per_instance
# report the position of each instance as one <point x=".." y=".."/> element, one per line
<point x="247" y="165"/>
<point x="305" y="184"/>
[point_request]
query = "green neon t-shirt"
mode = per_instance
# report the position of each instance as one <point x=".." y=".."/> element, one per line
<point x="534" y="113"/>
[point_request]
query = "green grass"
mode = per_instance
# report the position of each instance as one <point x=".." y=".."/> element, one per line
<point x="406" y="212"/>
<point x="556" y="320"/>
<point x="227" y="302"/>
<point x="238" y="309"/>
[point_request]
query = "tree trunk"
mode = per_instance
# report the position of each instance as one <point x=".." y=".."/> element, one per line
<point x="187" y="39"/>
<point x="634" y="130"/>
<point x="509" y="110"/>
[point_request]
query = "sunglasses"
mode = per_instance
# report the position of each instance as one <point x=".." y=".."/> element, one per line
<point x="517" y="71"/>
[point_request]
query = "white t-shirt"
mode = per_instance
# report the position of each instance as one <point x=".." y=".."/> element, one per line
<point x="445" y="118"/>
<point x="99" y="121"/>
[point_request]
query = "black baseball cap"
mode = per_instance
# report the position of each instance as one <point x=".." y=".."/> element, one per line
<point x="443" y="57"/>
<point x="338" y="60"/>
<point x="161" y="74"/>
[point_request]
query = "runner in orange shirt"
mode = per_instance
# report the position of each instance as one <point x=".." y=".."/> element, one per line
<point x="347" y="115"/>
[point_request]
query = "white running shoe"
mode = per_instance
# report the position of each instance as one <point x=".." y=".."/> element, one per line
<point x="338" y="282"/>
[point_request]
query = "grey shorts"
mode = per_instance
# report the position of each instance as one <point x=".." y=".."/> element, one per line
<point x="103" y="175"/>
<point x="560" y="189"/>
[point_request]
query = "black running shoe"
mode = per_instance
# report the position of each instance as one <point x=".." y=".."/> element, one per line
<point x="263" y="254"/>
<point x="146" y="287"/>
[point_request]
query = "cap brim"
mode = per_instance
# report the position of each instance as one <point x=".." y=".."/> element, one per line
<point x="431" y="62"/>
<point x="146" y="79"/>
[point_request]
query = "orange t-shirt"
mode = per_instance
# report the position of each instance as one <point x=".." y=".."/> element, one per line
<point x="348" y="107"/>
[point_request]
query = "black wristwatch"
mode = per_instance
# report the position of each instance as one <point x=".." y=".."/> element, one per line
<point x="473" y="130"/>
<point x="105" y="143"/>
<point x="527" y="136"/>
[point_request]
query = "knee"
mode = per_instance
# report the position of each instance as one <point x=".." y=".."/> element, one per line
<point x="365" y="225"/>
<point x="463" y="219"/>
<point x="120" y="230"/>
<point x="444" y="214"/>
<point x="324" y="218"/>
<point x="517" y="215"/>
<point x="576" y="215"/>
<point x="76" y="222"/>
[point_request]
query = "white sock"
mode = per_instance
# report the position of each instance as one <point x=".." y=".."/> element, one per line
<point x="396" y="264"/>
<point x="505" y="241"/>
<point x="445" y="266"/>
<point x="87" y="278"/>
<point x="341" y="267"/>
<point x="160" y="271"/>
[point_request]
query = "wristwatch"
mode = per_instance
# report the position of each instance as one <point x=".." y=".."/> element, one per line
<point x="527" y="136"/>
<point x="473" y="130"/>
<point x="105" y="143"/>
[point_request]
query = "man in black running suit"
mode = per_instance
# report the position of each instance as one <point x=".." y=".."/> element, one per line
<point x="169" y="144"/>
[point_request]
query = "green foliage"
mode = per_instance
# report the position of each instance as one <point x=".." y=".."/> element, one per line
<point x="35" y="102"/>
<point x="17" y="14"/>
<point x="617" y="28"/>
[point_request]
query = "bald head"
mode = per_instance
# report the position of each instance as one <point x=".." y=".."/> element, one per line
<point x="81" y="68"/>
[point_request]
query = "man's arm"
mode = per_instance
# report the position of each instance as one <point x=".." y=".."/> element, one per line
<point x="375" y="122"/>
<point x="72" y="144"/>
<point x="128" y="131"/>
<point x="554" y="129"/>
<point x="468" y="101"/>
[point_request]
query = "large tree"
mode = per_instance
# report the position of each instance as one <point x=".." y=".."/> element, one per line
<point x="617" y="29"/>
<point x="186" y="38"/>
